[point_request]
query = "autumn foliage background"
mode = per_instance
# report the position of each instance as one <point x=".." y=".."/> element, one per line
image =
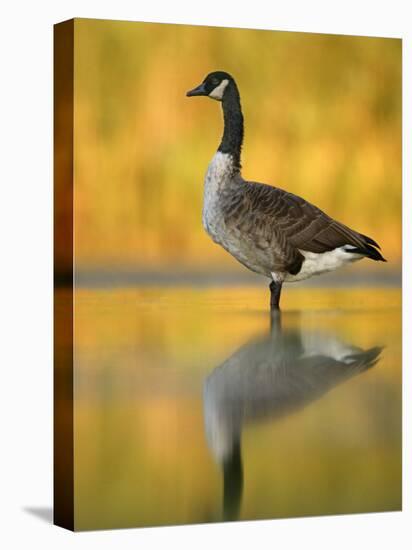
<point x="322" y="119"/>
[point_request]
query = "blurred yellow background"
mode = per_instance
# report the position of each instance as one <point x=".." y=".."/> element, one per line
<point x="322" y="119"/>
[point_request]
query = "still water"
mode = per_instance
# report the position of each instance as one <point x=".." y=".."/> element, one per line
<point x="193" y="405"/>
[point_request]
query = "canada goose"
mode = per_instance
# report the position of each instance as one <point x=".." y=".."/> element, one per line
<point x="270" y="378"/>
<point x="270" y="231"/>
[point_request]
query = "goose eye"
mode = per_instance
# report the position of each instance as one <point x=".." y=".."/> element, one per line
<point x="215" y="81"/>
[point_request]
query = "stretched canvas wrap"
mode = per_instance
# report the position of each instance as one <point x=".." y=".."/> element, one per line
<point x="182" y="394"/>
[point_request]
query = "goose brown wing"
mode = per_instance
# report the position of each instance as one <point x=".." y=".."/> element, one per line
<point x="306" y="227"/>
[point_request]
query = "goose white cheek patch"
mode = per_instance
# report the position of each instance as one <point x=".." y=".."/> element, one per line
<point x="217" y="93"/>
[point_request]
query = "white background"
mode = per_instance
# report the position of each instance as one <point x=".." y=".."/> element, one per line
<point x="26" y="271"/>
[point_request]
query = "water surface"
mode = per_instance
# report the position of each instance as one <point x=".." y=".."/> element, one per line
<point x="193" y="405"/>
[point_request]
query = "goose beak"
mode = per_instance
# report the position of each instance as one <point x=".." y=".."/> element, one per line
<point x="200" y="90"/>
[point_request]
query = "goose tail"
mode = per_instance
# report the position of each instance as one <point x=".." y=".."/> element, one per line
<point x="369" y="249"/>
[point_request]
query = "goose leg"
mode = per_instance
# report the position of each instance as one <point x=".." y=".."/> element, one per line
<point x="275" y="288"/>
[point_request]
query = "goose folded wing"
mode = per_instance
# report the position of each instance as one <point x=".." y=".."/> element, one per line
<point x="319" y="233"/>
<point x="306" y="227"/>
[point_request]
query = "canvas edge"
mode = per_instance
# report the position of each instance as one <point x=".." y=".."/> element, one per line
<point x="63" y="429"/>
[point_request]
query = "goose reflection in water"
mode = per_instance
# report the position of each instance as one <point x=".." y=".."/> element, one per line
<point x="268" y="378"/>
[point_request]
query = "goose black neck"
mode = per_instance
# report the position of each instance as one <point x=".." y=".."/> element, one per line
<point x="233" y="124"/>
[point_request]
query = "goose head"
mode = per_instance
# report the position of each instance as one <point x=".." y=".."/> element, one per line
<point x="214" y="85"/>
